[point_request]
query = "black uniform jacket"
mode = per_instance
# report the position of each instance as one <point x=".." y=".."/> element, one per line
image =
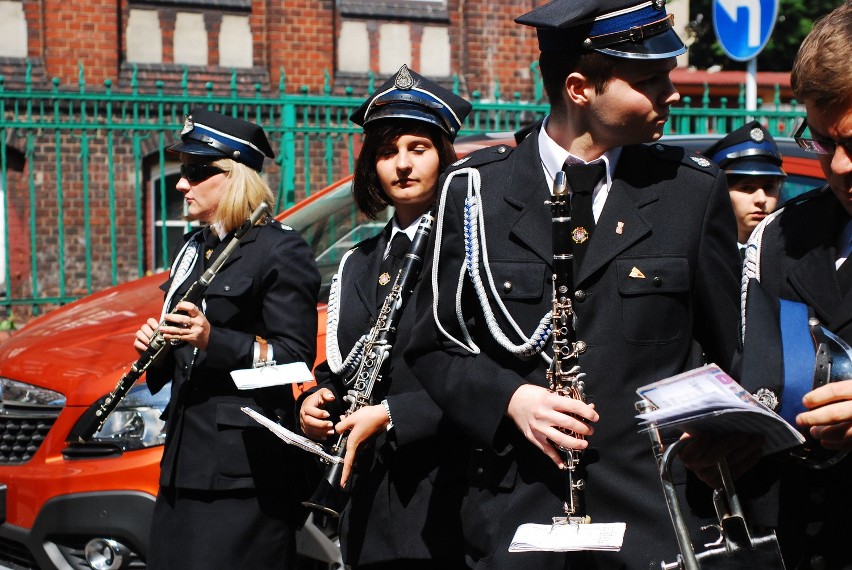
<point x="798" y="263"/>
<point x="268" y="287"/>
<point x="406" y="494"/>
<point x="667" y="217"/>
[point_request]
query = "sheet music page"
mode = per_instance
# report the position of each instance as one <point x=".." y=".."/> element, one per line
<point x="271" y="375"/>
<point x="292" y="438"/>
<point x="708" y="400"/>
<point x="568" y="537"/>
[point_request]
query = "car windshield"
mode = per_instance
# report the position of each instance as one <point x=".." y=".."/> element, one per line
<point x="796" y="184"/>
<point x="332" y="225"/>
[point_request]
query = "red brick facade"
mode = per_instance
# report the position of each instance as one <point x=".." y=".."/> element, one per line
<point x="299" y="37"/>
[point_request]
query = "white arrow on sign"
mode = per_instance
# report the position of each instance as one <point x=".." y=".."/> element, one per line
<point x="753" y="7"/>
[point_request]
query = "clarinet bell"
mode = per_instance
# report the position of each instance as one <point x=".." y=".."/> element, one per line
<point x="328" y="499"/>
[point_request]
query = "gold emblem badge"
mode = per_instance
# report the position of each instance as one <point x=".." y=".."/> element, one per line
<point x="384" y="278"/>
<point x="208" y="253"/>
<point x="580" y="235"/>
<point x="636" y="273"/>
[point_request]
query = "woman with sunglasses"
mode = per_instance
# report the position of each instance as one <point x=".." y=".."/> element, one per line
<point x="229" y="491"/>
<point x="405" y="490"/>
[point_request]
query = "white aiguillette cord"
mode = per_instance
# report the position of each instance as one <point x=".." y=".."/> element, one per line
<point x="474" y="228"/>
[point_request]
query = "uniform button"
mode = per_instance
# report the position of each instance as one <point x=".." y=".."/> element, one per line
<point x="818" y="496"/>
<point x="507" y="286"/>
<point x="227" y="287"/>
<point x="817" y="562"/>
<point x="480" y="470"/>
<point x="580" y="295"/>
<point x="657" y="281"/>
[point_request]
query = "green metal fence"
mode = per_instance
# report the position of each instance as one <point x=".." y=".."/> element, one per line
<point x="82" y="170"/>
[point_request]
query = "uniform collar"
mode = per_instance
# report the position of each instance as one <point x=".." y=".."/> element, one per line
<point x="553" y="157"/>
<point x="410" y="231"/>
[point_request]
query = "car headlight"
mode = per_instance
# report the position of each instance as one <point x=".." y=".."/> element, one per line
<point x="136" y="423"/>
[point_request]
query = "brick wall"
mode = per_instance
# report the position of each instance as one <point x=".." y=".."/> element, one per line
<point x="81" y="31"/>
<point x="497" y="49"/>
<point x="300" y="39"/>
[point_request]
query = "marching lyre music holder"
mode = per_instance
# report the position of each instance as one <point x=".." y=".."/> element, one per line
<point x="737" y="548"/>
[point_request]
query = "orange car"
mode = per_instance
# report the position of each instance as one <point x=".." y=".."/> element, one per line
<point x="89" y="506"/>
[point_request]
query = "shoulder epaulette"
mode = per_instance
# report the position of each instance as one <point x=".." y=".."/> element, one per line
<point x="482" y="156"/>
<point x="684" y="156"/>
<point x="280" y="226"/>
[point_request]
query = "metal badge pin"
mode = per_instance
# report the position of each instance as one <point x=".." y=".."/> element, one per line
<point x="384" y="278"/>
<point x="619" y="229"/>
<point x="635" y="273"/>
<point x="580" y="235"/>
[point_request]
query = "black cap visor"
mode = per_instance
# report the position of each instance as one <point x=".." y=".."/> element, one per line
<point x="753" y="168"/>
<point x="660" y="46"/>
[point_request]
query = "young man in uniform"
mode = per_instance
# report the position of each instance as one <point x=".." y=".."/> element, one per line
<point x="655" y="291"/>
<point x="800" y="254"/>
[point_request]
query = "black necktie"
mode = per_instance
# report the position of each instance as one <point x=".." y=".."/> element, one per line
<point x="391" y="265"/>
<point x="582" y="180"/>
<point x="211" y="241"/>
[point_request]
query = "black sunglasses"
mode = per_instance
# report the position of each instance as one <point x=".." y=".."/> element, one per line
<point x="198" y="172"/>
<point x="819" y="145"/>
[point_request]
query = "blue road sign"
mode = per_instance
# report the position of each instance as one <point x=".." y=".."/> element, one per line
<point x="744" y="26"/>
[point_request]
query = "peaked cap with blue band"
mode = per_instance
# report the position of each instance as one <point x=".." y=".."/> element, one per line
<point x="619" y="28"/>
<point x="409" y="95"/>
<point x="208" y="133"/>
<point x="749" y="150"/>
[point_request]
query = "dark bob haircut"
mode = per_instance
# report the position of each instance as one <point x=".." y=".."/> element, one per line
<point x="366" y="189"/>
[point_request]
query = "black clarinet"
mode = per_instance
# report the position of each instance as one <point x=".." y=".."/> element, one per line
<point x="329" y="497"/>
<point x="94" y="418"/>
<point x="563" y="375"/>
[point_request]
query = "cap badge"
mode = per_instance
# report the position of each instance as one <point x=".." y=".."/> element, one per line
<point x="700" y="161"/>
<point x="384" y="278"/>
<point x="579" y="235"/>
<point x="188" y="125"/>
<point x="659" y="4"/>
<point x="756" y="135"/>
<point x="403" y="79"/>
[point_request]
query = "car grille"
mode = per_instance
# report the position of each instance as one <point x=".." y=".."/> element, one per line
<point x="22" y="432"/>
<point x="15" y="555"/>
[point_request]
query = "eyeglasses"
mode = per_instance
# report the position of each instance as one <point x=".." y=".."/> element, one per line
<point x="198" y="172"/>
<point x="820" y="145"/>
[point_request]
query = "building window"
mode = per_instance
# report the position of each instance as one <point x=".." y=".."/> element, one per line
<point x="166" y="210"/>
<point x="396" y="9"/>
<point x="219" y="4"/>
<point x="144" y="37"/>
<point x="13" y="30"/>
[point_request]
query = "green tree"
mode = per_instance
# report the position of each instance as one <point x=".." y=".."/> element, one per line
<point x="795" y="20"/>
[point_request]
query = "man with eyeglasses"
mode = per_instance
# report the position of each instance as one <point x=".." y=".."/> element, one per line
<point x="803" y="250"/>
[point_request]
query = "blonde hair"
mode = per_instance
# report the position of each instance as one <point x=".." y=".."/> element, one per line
<point x="244" y="193"/>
